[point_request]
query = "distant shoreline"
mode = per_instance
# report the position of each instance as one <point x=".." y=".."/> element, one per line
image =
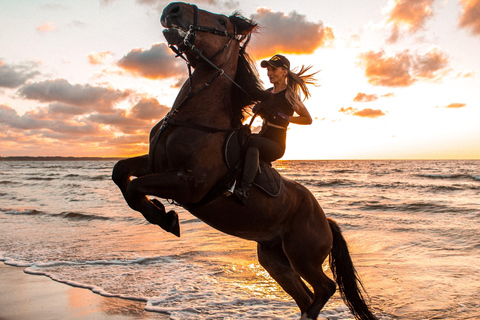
<point x="58" y="158"/>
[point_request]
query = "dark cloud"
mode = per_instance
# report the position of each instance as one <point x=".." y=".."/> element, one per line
<point x="364" y="113"/>
<point x="60" y="90"/>
<point x="470" y="17"/>
<point x="409" y="14"/>
<point x="158" y="62"/>
<point x="12" y="76"/>
<point x="287" y="33"/>
<point x="404" y="68"/>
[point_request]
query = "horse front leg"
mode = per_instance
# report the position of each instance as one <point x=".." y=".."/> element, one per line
<point x="153" y="210"/>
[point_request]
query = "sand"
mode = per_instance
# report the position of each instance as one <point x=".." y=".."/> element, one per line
<point x="30" y="297"/>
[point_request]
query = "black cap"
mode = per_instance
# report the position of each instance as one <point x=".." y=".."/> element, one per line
<point x="276" y="61"/>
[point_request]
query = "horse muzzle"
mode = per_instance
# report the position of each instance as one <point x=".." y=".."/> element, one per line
<point x="174" y="36"/>
<point x="175" y="18"/>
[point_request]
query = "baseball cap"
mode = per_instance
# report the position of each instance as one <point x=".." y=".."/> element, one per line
<point x="276" y="61"/>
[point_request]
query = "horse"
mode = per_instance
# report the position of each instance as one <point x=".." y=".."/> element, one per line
<point x="185" y="163"/>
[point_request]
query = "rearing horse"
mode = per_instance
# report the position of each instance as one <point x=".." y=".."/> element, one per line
<point x="185" y="162"/>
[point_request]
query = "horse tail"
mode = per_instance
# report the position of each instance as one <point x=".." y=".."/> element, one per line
<point x="345" y="275"/>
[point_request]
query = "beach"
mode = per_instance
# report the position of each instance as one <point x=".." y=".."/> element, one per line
<point x="73" y="248"/>
<point x="32" y="297"/>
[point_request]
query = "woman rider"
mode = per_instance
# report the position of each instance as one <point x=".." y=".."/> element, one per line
<point x="277" y="112"/>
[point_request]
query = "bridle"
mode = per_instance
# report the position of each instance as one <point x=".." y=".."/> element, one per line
<point x="189" y="44"/>
<point x="189" y="39"/>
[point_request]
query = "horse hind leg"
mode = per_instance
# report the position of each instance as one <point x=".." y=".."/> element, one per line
<point x="274" y="260"/>
<point x="306" y="253"/>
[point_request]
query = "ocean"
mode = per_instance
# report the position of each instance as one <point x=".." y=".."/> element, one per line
<point x="412" y="226"/>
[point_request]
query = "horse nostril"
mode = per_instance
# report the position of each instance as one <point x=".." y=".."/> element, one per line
<point x="175" y="9"/>
<point x="172" y="11"/>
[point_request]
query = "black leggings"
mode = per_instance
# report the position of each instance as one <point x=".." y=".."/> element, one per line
<point x="269" y="149"/>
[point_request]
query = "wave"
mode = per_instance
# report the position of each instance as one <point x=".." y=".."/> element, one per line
<point x="81" y="216"/>
<point x="456" y="176"/>
<point x="40" y="178"/>
<point x="66" y="215"/>
<point x="88" y="177"/>
<point x="28" y="212"/>
<point x="6" y="182"/>
<point x="414" y="207"/>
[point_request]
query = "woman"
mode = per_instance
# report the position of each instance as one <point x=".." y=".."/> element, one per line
<point x="277" y="112"/>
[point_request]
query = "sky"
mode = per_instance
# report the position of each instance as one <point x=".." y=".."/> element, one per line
<point x="398" y="79"/>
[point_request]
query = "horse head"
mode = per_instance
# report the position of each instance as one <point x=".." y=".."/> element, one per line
<point x="216" y="36"/>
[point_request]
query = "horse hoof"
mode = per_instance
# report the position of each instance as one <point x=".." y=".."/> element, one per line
<point x="172" y="224"/>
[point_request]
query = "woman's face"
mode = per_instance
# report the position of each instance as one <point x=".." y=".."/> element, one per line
<point x="276" y="75"/>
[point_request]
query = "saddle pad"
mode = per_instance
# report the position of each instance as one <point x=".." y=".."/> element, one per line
<point x="267" y="179"/>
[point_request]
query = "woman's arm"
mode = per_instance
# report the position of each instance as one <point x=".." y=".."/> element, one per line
<point x="302" y="112"/>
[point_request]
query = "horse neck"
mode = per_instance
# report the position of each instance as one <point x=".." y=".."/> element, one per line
<point x="211" y="105"/>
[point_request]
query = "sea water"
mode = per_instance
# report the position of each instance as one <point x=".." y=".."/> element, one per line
<point x="412" y="226"/>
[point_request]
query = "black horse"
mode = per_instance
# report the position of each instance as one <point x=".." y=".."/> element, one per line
<point x="185" y="162"/>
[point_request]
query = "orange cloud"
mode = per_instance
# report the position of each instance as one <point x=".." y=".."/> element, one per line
<point x="47" y="27"/>
<point x="470" y="15"/>
<point x="363" y="97"/>
<point x="290" y="33"/>
<point x="158" y="62"/>
<point x="12" y="76"/>
<point x="97" y="58"/>
<point x="65" y="129"/>
<point x="365" y="113"/>
<point x="404" y="68"/>
<point x="456" y="105"/>
<point x="409" y="14"/>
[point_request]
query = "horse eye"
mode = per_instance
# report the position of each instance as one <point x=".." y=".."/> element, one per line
<point x="223" y="22"/>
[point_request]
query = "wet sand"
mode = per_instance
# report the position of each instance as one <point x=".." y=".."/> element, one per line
<point x="30" y="297"/>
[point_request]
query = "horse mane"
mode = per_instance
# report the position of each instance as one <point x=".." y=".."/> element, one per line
<point x="247" y="74"/>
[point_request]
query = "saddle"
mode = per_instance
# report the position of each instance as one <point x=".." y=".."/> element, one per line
<point x="267" y="179"/>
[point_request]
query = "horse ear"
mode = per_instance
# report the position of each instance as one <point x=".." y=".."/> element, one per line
<point x="244" y="25"/>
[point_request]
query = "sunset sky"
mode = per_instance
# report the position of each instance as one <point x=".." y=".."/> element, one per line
<point x="399" y="79"/>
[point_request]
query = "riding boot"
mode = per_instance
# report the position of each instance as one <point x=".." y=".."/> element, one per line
<point x="249" y="171"/>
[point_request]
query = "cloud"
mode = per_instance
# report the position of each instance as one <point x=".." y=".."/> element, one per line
<point x="404" y="68"/>
<point x="365" y="113"/>
<point x="97" y="58"/>
<point x="158" y="62"/>
<point x="407" y="14"/>
<point x="290" y="33"/>
<point x="148" y="109"/>
<point x="12" y="76"/>
<point x="60" y="90"/>
<point x="65" y="129"/>
<point x="470" y="17"/>
<point x="363" y="97"/>
<point x="36" y="121"/>
<point x="456" y="105"/>
<point x="48" y="26"/>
